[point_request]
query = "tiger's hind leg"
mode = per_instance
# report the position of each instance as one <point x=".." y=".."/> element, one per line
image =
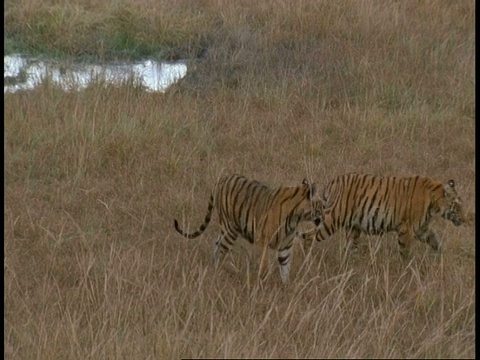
<point x="223" y="245"/>
<point x="405" y="238"/>
<point x="427" y="235"/>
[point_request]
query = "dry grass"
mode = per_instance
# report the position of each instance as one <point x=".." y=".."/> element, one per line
<point x="92" y="265"/>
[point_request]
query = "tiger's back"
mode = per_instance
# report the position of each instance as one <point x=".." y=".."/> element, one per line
<point x="363" y="203"/>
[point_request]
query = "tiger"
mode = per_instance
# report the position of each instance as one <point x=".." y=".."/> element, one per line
<point x="259" y="214"/>
<point x="364" y="203"/>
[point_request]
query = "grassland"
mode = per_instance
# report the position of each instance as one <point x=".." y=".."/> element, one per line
<point x="93" y="268"/>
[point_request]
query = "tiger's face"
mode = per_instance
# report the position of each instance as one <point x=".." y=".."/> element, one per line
<point x="455" y="213"/>
<point x="451" y="204"/>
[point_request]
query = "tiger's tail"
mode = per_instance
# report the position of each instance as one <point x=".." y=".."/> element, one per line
<point x="202" y="227"/>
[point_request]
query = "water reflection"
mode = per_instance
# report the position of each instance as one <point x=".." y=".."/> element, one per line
<point x="23" y="73"/>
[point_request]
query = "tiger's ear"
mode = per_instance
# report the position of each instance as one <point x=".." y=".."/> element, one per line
<point x="449" y="186"/>
<point x="305" y="182"/>
<point x="449" y="189"/>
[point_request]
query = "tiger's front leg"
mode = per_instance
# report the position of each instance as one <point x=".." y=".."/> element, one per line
<point x="262" y="269"/>
<point x="326" y="228"/>
<point x="306" y="239"/>
<point x="284" y="260"/>
<point x="426" y="235"/>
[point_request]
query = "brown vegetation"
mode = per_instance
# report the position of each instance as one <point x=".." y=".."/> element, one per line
<point x="289" y="89"/>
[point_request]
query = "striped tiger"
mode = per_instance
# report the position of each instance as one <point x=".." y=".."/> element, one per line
<point x="361" y="203"/>
<point x="259" y="214"/>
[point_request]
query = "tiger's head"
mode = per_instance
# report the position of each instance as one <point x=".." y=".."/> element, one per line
<point x="449" y="205"/>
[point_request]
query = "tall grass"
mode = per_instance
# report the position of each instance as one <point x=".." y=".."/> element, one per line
<point x="106" y="30"/>
<point x="92" y="265"/>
